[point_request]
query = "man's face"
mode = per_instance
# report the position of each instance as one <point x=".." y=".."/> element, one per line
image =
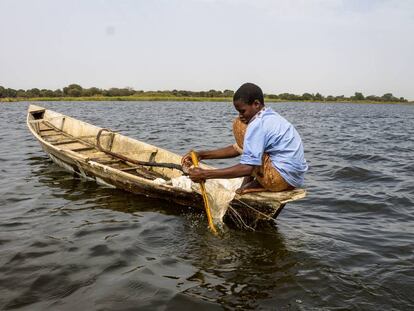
<point x="246" y="111"/>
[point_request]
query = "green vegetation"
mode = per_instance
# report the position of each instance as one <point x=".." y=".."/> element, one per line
<point x="76" y="92"/>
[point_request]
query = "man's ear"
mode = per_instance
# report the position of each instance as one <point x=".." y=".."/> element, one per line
<point x="257" y="102"/>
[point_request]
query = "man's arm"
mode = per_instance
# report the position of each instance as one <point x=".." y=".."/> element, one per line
<point x="238" y="170"/>
<point x="222" y="153"/>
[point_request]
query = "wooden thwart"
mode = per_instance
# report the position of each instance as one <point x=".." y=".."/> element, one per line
<point x="102" y="161"/>
<point x="82" y="149"/>
<point x="67" y="135"/>
<point x="132" y="168"/>
<point x="64" y="142"/>
<point x="54" y="134"/>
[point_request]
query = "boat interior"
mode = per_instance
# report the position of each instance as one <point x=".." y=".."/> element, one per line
<point x="104" y="146"/>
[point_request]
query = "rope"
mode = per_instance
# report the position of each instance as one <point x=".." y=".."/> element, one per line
<point x="239" y="219"/>
<point x="259" y="212"/>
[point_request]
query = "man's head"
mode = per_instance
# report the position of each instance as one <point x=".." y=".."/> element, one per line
<point x="248" y="100"/>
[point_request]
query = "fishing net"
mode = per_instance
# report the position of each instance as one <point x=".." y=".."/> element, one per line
<point x="220" y="193"/>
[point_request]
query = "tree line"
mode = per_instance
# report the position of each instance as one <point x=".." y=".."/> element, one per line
<point x="75" y="90"/>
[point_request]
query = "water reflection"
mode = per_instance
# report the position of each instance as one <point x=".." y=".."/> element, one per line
<point x="226" y="274"/>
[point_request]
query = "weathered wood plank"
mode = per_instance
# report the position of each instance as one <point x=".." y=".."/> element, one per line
<point x="131" y="168"/>
<point x="63" y="142"/>
<point x="82" y="149"/>
<point x="54" y="134"/>
<point x="101" y="161"/>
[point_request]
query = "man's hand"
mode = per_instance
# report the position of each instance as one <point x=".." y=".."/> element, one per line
<point x="197" y="175"/>
<point x="186" y="161"/>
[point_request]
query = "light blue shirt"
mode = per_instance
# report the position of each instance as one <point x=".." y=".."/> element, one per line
<point x="271" y="133"/>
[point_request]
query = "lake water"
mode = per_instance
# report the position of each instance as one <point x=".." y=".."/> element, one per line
<point x="67" y="243"/>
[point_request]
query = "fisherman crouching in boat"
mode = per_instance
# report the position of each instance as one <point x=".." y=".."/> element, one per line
<point x="272" y="156"/>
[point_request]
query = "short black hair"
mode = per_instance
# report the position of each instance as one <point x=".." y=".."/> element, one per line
<point x="248" y="93"/>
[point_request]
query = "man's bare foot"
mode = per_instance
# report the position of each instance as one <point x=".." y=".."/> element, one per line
<point x="252" y="186"/>
<point x="246" y="180"/>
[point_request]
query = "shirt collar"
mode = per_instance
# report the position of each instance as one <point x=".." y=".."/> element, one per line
<point x="259" y="114"/>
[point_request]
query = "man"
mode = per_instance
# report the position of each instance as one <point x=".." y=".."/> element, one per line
<point x="272" y="156"/>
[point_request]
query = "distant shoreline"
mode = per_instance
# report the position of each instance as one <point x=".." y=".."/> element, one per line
<point x="75" y="92"/>
<point x="189" y="99"/>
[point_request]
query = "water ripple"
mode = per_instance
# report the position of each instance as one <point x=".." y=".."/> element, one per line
<point x="67" y="243"/>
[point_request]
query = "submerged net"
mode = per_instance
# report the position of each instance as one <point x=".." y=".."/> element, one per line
<point x="220" y="193"/>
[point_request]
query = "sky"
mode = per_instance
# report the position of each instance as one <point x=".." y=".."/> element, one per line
<point x="335" y="47"/>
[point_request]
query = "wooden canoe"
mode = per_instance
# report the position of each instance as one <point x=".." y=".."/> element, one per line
<point x="115" y="160"/>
